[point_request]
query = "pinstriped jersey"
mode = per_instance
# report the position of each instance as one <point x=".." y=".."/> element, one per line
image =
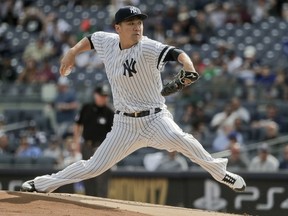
<point x="134" y="73"/>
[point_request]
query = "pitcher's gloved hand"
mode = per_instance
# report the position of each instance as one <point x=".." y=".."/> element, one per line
<point x="181" y="80"/>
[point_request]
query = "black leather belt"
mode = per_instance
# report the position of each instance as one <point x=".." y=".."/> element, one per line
<point x="140" y="114"/>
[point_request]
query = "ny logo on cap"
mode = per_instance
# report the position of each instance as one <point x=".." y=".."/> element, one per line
<point x="133" y="10"/>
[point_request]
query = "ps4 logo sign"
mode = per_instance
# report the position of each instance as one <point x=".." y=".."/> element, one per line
<point x="212" y="197"/>
<point x="213" y="201"/>
<point x="253" y="194"/>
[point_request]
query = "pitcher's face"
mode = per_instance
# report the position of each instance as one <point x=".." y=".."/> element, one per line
<point x="130" y="31"/>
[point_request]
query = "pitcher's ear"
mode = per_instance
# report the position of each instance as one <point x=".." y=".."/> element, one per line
<point x="117" y="28"/>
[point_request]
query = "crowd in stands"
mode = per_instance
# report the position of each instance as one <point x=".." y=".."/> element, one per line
<point x="240" y="98"/>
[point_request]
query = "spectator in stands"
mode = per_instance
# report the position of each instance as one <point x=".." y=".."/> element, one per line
<point x="45" y="74"/>
<point x="184" y="18"/>
<point x="222" y="118"/>
<point x="66" y="106"/>
<point x="259" y="9"/>
<point x="5" y="45"/>
<point x="170" y="15"/>
<point x="249" y="67"/>
<point x="271" y="119"/>
<point x="279" y="88"/>
<point x="85" y="28"/>
<point x="265" y="78"/>
<point x="36" y="136"/>
<point x="212" y="69"/>
<point x="66" y="42"/>
<point x="176" y="37"/>
<point x="284" y="161"/>
<point x="198" y="62"/>
<point x="264" y="161"/>
<point x="233" y="62"/>
<point x="238" y="110"/>
<point x="27" y="148"/>
<point x="165" y="161"/>
<point x="238" y="13"/>
<point x="201" y="21"/>
<point x="71" y="153"/>
<point x="187" y="117"/>
<point x="4" y="143"/>
<point x="222" y="48"/>
<point x="271" y="131"/>
<point x="8" y="72"/>
<point x="237" y="161"/>
<point x="38" y="50"/>
<point x="33" y="20"/>
<point x="217" y="14"/>
<point x="265" y="130"/>
<point x="2" y="122"/>
<point x="4" y="140"/>
<point x="271" y="113"/>
<point x="243" y="128"/>
<point x="56" y="26"/>
<point x="159" y="32"/>
<point x="201" y="132"/>
<point x="10" y="11"/>
<point x="232" y="111"/>
<point x="54" y="150"/>
<point x="29" y="73"/>
<point x="226" y="138"/>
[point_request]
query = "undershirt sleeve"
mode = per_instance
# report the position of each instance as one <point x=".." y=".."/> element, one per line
<point x="89" y="38"/>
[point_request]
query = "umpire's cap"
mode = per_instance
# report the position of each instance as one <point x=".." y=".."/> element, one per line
<point x="102" y="90"/>
<point x="128" y="12"/>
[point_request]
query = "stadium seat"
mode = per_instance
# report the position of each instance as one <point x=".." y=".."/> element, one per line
<point x="132" y="161"/>
<point x="47" y="162"/>
<point x="23" y="161"/>
<point x="144" y="151"/>
<point x="47" y="9"/>
<point x="6" y="159"/>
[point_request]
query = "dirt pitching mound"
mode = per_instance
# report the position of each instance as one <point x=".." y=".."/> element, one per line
<point x="32" y="204"/>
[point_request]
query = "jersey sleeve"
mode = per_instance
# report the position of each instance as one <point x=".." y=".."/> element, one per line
<point x="155" y="53"/>
<point x="97" y="41"/>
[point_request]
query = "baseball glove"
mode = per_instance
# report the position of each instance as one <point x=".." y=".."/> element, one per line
<point x="181" y="80"/>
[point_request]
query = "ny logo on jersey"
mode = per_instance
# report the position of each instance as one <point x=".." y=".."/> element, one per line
<point x="129" y="67"/>
<point x="133" y="10"/>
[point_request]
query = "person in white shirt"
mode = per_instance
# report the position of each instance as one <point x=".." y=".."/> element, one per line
<point x="264" y="161"/>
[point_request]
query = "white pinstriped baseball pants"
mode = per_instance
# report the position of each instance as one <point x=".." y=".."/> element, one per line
<point x="127" y="135"/>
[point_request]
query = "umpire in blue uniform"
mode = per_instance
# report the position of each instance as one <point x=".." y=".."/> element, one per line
<point x="92" y="124"/>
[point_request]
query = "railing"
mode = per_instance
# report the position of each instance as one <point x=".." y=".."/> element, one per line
<point x="275" y="145"/>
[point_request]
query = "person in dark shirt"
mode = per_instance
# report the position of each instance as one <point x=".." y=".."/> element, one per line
<point x="93" y="123"/>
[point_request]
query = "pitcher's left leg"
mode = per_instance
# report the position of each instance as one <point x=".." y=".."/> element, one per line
<point x="170" y="136"/>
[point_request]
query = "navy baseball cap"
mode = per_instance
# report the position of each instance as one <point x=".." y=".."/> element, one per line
<point x="128" y="12"/>
<point x="102" y="90"/>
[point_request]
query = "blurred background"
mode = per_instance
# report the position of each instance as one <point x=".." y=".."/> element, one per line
<point x="238" y="107"/>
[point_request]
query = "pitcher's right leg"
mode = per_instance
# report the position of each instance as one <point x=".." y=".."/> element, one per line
<point x="119" y="143"/>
